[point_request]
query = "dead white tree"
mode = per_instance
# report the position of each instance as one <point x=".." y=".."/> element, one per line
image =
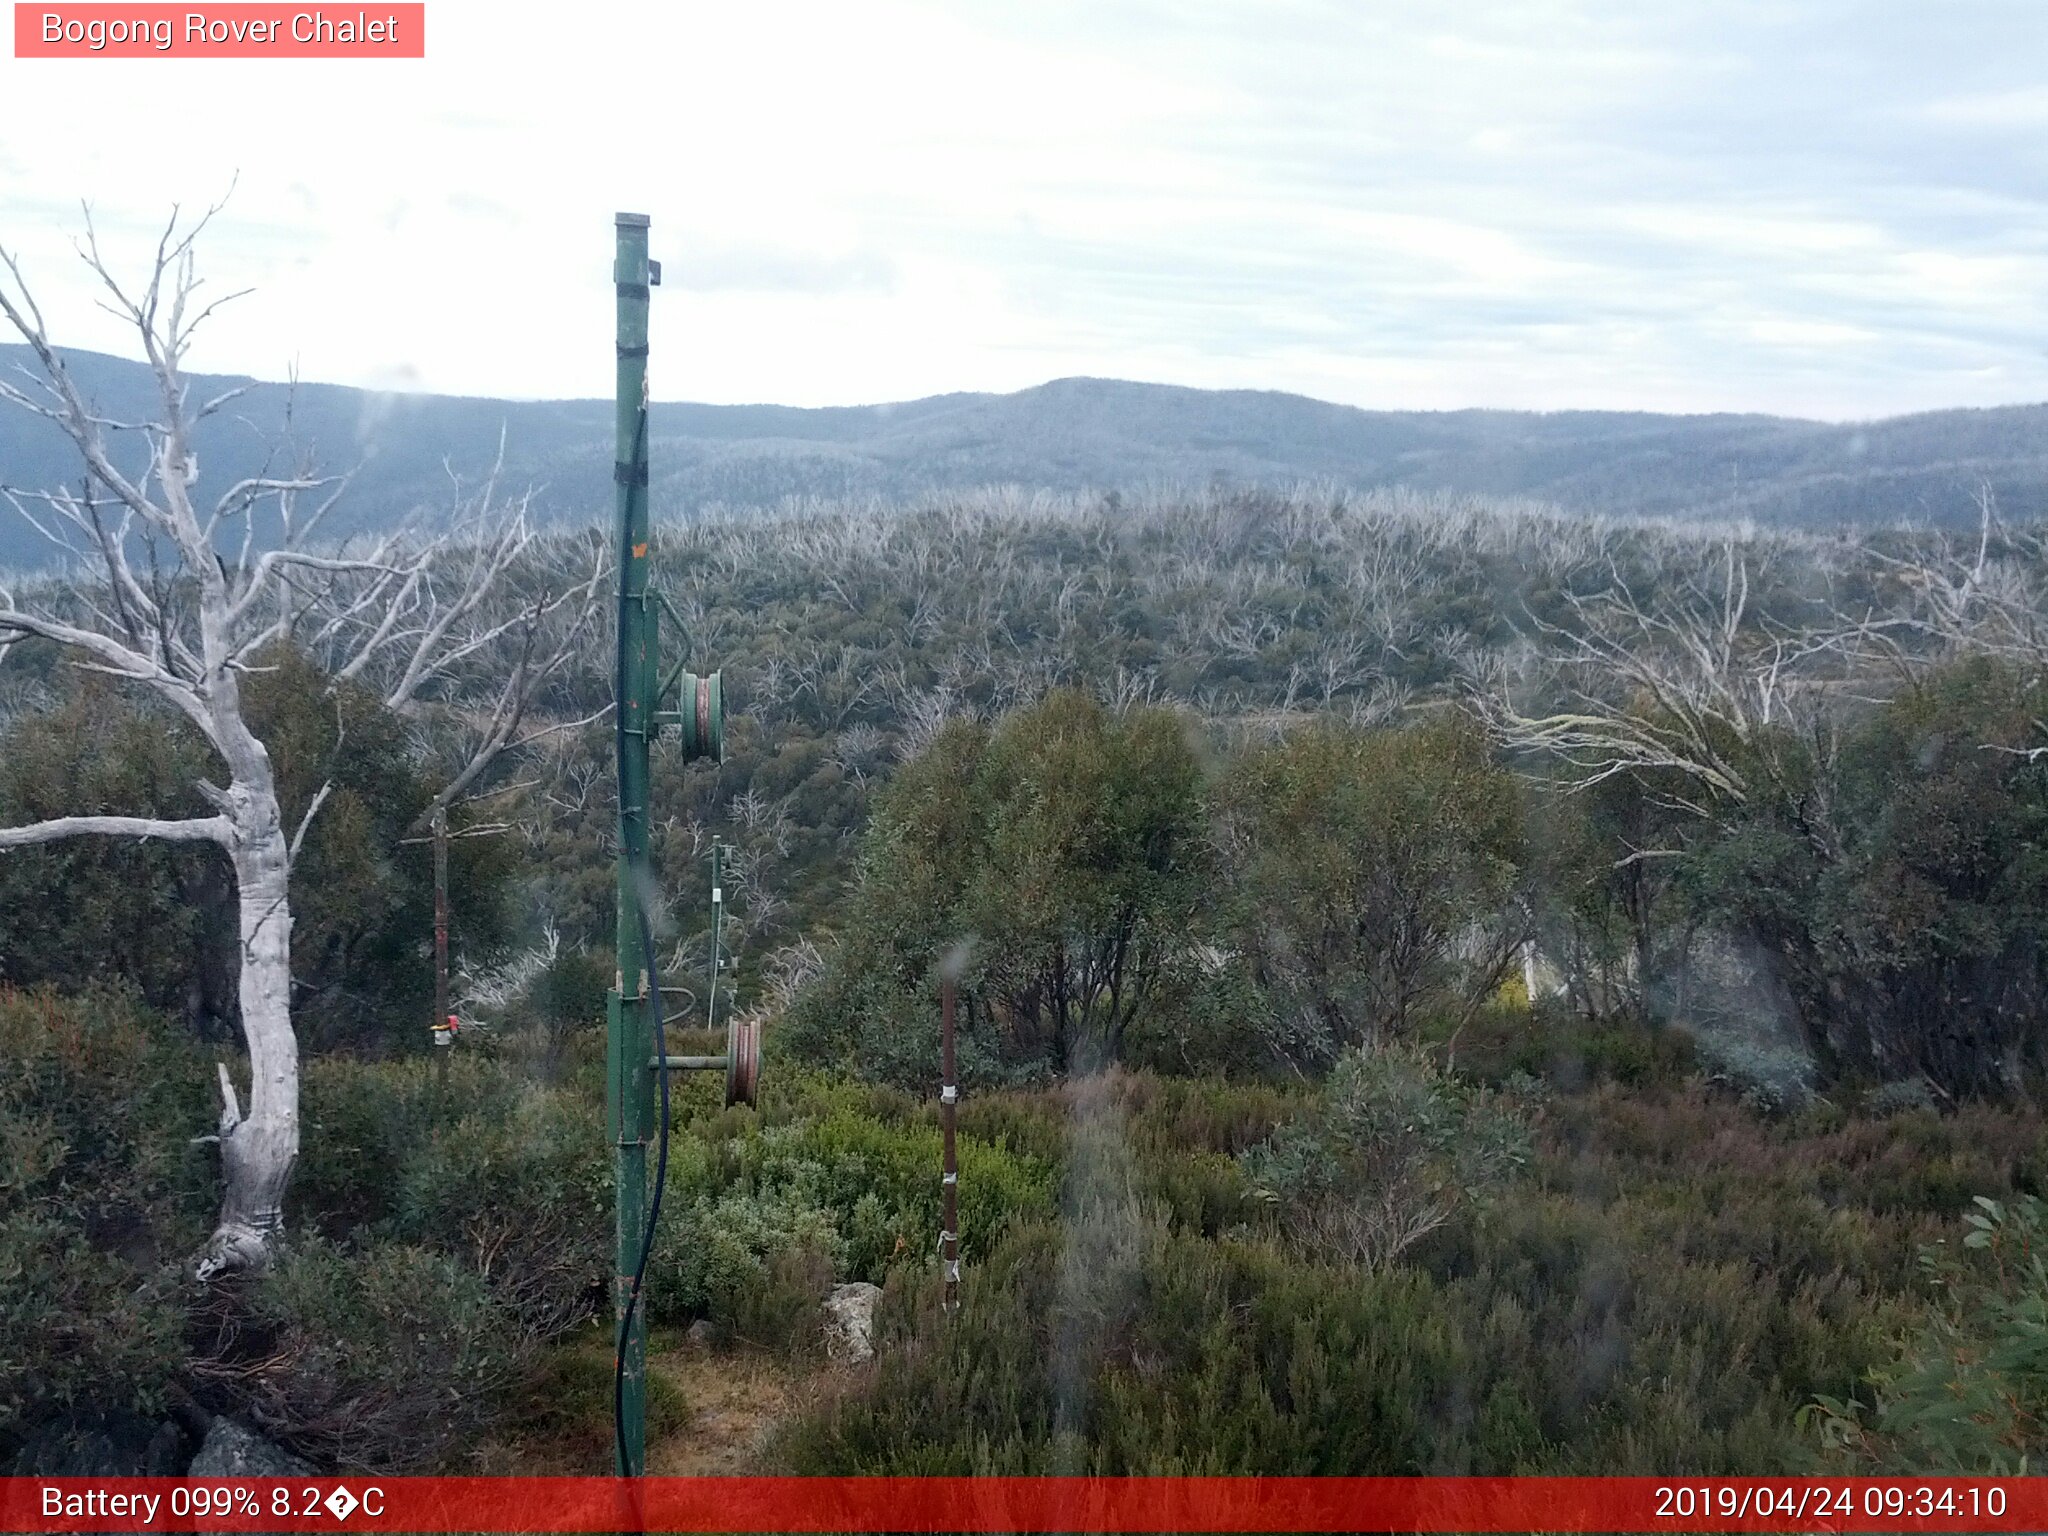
<point x="1694" y="692"/>
<point x="172" y="596"/>
<point x="1680" y="688"/>
<point x="484" y="598"/>
<point x="1986" y="595"/>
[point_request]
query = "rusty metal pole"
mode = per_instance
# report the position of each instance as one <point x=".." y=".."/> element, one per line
<point x="442" y="1039"/>
<point x="949" y="1103"/>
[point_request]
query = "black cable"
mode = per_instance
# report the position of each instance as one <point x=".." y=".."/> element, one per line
<point x="643" y="890"/>
<point x="654" y="1206"/>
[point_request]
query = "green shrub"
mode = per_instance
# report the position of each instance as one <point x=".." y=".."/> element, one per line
<point x="565" y="1001"/>
<point x="1225" y="1358"/>
<point x="1199" y="1191"/>
<point x="115" y="1099"/>
<point x="569" y="1397"/>
<point x="1896" y="881"/>
<point x="1905" y="1096"/>
<point x="80" y="1331"/>
<point x="161" y="916"/>
<point x="360" y="1122"/>
<point x="882" y="1183"/>
<point x="103" y="1197"/>
<point x="1672" y="1278"/>
<point x="833" y="1181"/>
<point x="507" y="1176"/>
<point x="715" y="1255"/>
<point x="1769" y="1080"/>
<point x="1062" y="852"/>
<point x="1394" y="1149"/>
<point x="1359" y="866"/>
<point x="1553" y="1043"/>
<point x="1206" y="1114"/>
<point x="780" y="1310"/>
<point x="1969" y="1391"/>
<point x="389" y="1358"/>
<point x="1030" y="1124"/>
<point x="520" y="1193"/>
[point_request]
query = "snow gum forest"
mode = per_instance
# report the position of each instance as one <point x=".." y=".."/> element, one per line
<point x="1448" y="985"/>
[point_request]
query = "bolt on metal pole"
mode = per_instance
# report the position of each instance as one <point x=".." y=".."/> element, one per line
<point x="949" y="1102"/>
<point x="630" y="1034"/>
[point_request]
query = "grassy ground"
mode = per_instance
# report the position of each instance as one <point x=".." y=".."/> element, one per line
<point x="1662" y="1287"/>
<point x="714" y="1409"/>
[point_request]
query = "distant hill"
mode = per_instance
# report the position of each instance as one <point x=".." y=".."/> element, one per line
<point x="1083" y="434"/>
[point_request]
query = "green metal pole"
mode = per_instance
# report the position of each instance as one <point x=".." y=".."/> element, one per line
<point x="630" y="1040"/>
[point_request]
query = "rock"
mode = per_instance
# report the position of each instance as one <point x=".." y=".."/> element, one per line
<point x="705" y="1334"/>
<point x="850" y="1321"/>
<point x="235" y="1450"/>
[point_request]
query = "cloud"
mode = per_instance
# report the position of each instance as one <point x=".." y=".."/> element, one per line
<point x="2023" y="109"/>
<point x="1839" y="208"/>
<point x="765" y="269"/>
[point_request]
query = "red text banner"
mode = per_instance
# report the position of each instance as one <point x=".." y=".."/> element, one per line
<point x="224" y="31"/>
<point x="1022" y="1504"/>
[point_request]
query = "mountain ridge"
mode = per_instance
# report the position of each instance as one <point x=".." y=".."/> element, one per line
<point x="1078" y="434"/>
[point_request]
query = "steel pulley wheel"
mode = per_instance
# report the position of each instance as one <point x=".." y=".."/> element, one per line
<point x="701" y="716"/>
<point x="742" y="1059"/>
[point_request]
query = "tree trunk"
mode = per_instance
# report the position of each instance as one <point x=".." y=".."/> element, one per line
<point x="257" y="1150"/>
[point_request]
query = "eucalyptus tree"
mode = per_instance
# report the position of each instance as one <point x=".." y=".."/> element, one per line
<point x="184" y="594"/>
<point x="1374" y="880"/>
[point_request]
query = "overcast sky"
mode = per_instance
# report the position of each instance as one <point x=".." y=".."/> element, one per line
<point x="1830" y="209"/>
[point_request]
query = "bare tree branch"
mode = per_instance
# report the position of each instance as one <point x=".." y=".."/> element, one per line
<point x="201" y="829"/>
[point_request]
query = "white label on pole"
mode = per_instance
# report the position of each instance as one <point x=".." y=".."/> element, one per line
<point x="949" y="1094"/>
<point x="718" y="893"/>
